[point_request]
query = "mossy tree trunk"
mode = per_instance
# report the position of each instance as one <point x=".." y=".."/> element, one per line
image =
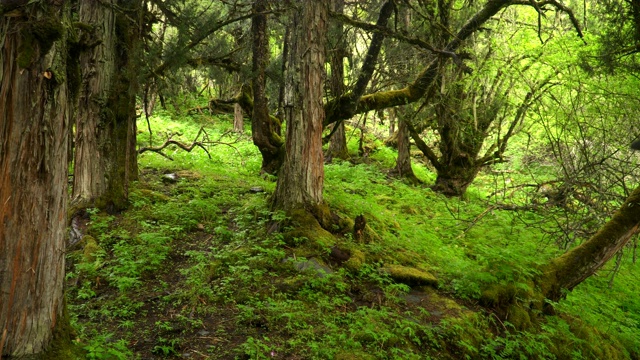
<point x="34" y="119"/>
<point x="572" y="268"/>
<point x="265" y="128"/>
<point x="301" y="179"/>
<point x="338" y="144"/>
<point x="105" y="160"/>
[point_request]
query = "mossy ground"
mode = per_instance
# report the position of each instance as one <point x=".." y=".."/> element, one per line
<point x="194" y="269"/>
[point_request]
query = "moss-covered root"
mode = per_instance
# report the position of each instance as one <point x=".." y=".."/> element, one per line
<point x="62" y="346"/>
<point x="306" y="229"/>
<point x="517" y="305"/>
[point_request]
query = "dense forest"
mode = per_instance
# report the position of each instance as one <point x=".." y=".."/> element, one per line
<point x="319" y="179"/>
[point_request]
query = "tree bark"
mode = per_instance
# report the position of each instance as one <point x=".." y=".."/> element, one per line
<point x="93" y="132"/>
<point x="265" y="129"/>
<point x="238" y="120"/>
<point x="34" y="122"/>
<point x="302" y="176"/>
<point x="105" y="160"/>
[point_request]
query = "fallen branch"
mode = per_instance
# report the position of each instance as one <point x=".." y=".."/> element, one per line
<point x="189" y="147"/>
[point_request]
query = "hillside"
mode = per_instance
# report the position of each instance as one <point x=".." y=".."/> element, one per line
<point x="200" y="268"/>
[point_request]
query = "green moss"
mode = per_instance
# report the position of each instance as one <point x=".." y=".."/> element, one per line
<point x="518" y="317"/>
<point x="91" y="249"/>
<point x="356" y="260"/>
<point x="38" y="36"/>
<point x="306" y="228"/>
<point x="354" y="355"/>
<point x="409" y="275"/>
<point x="154" y="196"/>
<point x="62" y="346"/>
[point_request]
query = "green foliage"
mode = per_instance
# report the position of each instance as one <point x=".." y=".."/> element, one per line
<point x="194" y="259"/>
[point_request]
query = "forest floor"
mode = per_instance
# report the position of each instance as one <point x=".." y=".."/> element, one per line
<point x="192" y="271"/>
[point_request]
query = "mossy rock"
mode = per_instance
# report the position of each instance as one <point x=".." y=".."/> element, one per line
<point x="409" y="275"/>
<point x="356" y="260"/>
<point x="188" y="174"/>
<point x="91" y="249"/>
<point x="154" y="196"/>
<point x="355" y="355"/>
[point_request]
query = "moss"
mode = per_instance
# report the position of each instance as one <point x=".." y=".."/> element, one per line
<point x="188" y="174"/>
<point x="356" y="260"/>
<point x="91" y="249"/>
<point x="518" y="317"/>
<point x="307" y="229"/>
<point x="409" y="275"/>
<point x="410" y="210"/>
<point x="41" y="33"/>
<point x="62" y="346"/>
<point x="154" y="196"/>
<point x="353" y="355"/>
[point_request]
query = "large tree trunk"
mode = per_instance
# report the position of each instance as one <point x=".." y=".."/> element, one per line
<point x="265" y="129"/>
<point x="338" y="144"/>
<point x="33" y="177"/>
<point x="302" y="176"/>
<point x="93" y="131"/>
<point x="105" y="160"/>
<point x="572" y="268"/>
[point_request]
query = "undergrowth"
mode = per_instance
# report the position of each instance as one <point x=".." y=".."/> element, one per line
<point x="191" y="270"/>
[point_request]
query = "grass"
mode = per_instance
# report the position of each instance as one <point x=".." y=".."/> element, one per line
<point x="191" y="271"/>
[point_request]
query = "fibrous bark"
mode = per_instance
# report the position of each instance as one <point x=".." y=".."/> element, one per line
<point x="106" y="159"/>
<point x="302" y="176"/>
<point x="33" y="176"/>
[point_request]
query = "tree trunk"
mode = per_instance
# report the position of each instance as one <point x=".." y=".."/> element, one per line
<point x="454" y="179"/>
<point x="572" y="268"/>
<point x="105" y="160"/>
<point x="338" y="144"/>
<point x="238" y="120"/>
<point x="265" y="129"/>
<point x="403" y="162"/>
<point x="302" y="177"/>
<point x="93" y="132"/>
<point x="33" y="178"/>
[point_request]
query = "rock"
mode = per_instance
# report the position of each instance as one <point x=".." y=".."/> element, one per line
<point x="410" y="276"/>
<point x="170" y="178"/>
<point x="311" y="265"/>
<point x="188" y="174"/>
<point x="256" y="189"/>
<point x="200" y="227"/>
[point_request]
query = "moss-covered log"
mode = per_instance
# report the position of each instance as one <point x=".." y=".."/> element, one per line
<point x="572" y="268"/>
